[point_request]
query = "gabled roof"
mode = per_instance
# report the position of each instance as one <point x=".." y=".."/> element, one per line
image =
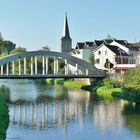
<point x="79" y="45"/>
<point x="88" y="44"/>
<point x="137" y="44"/>
<point x="98" y="42"/>
<point x="127" y="45"/>
<point x="118" y="51"/>
<point x="108" y="41"/>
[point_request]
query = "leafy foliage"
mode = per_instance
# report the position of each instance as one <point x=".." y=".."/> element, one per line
<point x="18" y="50"/>
<point x="91" y="59"/>
<point x="132" y="78"/>
<point x="6" y="47"/>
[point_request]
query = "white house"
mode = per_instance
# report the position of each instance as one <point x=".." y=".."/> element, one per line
<point x="115" y="55"/>
<point x="130" y="49"/>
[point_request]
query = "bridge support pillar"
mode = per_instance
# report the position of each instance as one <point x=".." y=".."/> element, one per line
<point x="43" y="65"/>
<point x="1" y="69"/>
<point x="32" y="72"/>
<point x="46" y="65"/>
<point x="19" y="67"/>
<point x="24" y="65"/>
<point x="35" y="65"/>
<point x="7" y="69"/>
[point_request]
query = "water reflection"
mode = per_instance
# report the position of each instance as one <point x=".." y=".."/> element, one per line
<point x="76" y="112"/>
<point x="131" y="112"/>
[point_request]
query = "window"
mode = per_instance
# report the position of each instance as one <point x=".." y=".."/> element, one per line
<point x="105" y="52"/>
<point x="99" y="52"/>
<point x="97" y="61"/>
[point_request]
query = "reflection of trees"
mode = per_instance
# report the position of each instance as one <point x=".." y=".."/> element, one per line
<point x="132" y="117"/>
<point x="5" y="92"/>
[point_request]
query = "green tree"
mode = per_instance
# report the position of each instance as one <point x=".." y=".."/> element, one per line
<point x="6" y="47"/>
<point x="18" y="50"/>
<point x="132" y="78"/>
<point x="91" y="59"/>
<point x="46" y="48"/>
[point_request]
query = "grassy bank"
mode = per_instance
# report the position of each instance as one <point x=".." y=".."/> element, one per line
<point x="66" y="82"/>
<point x="128" y="94"/>
<point x="4" y="118"/>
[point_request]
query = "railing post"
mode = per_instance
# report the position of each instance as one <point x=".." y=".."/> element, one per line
<point x="86" y="71"/>
<point x="43" y="65"/>
<point x="24" y="65"/>
<point x="54" y="69"/>
<point x="77" y="69"/>
<point x="55" y="65"/>
<point x="19" y="67"/>
<point x="7" y="69"/>
<point x="32" y="65"/>
<point x="36" y="65"/>
<point x="13" y="67"/>
<point x="46" y="65"/>
<point x="1" y="69"/>
<point x="66" y="67"/>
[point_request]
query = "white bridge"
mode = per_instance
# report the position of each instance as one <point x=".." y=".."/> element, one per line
<point x="26" y="65"/>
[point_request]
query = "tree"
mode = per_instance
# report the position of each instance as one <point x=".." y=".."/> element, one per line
<point x="91" y="59"/>
<point x="132" y="78"/>
<point x="18" y="50"/>
<point x="46" y="48"/>
<point x="6" y="47"/>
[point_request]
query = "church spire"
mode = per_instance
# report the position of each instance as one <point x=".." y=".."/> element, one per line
<point x="66" y="28"/>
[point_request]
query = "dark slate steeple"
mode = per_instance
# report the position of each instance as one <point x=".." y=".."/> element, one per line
<point x="66" y="41"/>
<point x="66" y="28"/>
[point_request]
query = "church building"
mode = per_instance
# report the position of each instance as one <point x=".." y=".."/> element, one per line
<point x="66" y="41"/>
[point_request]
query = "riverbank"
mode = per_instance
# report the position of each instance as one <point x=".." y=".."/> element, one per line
<point x="66" y="82"/>
<point x="106" y="88"/>
<point x="4" y="118"/>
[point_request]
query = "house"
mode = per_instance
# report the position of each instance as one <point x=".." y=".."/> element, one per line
<point x="130" y="49"/>
<point x="114" y="54"/>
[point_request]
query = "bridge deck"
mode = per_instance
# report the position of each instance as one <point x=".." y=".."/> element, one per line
<point x="47" y="76"/>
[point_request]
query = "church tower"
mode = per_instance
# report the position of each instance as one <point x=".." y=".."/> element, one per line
<point x="66" y="41"/>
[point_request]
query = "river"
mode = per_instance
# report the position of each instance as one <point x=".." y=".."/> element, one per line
<point x="43" y="112"/>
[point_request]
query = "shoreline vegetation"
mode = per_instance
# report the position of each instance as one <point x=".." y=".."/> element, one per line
<point x="4" y="113"/>
<point x="4" y="118"/>
<point x="107" y="88"/>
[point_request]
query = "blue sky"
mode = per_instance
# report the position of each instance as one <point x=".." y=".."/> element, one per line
<point x="35" y="23"/>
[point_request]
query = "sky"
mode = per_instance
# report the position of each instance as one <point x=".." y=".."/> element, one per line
<point x="33" y="24"/>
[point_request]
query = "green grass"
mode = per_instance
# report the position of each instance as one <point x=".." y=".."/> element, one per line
<point x="74" y="84"/>
<point x="66" y="82"/>
<point x="4" y="118"/>
<point x="106" y="92"/>
<point x="50" y="81"/>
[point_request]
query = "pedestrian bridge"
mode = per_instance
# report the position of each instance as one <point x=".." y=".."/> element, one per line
<point x="46" y="64"/>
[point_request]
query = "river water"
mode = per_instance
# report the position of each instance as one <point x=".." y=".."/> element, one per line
<point x="43" y="112"/>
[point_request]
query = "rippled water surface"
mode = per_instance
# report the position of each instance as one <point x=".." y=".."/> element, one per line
<point x="40" y="112"/>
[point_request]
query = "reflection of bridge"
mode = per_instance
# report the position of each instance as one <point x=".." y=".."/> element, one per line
<point x="47" y="114"/>
<point x="15" y="66"/>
